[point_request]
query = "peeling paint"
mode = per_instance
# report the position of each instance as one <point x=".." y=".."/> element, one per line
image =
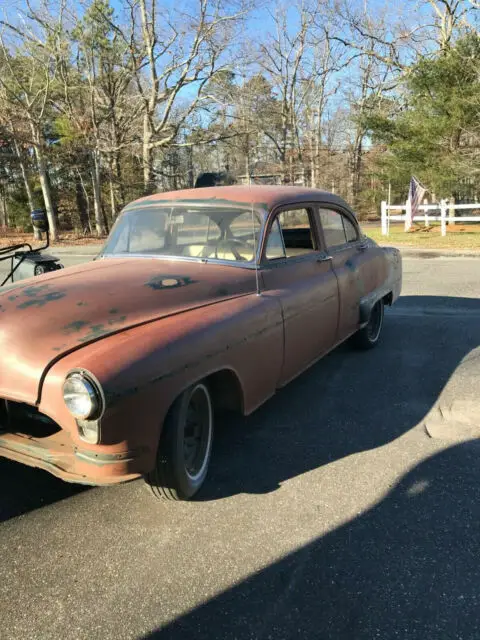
<point x="75" y="326"/>
<point x="42" y="300"/>
<point x="100" y="330"/>
<point x="32" y="292"/>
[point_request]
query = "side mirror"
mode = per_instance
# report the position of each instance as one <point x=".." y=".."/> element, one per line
<point x="39" y="219"/>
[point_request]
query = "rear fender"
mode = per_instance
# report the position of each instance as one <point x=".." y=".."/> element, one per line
<point x="389" y="291"/>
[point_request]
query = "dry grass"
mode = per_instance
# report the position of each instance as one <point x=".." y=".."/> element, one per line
<point x="65" y="240"/>
<point x="458" y="237"/>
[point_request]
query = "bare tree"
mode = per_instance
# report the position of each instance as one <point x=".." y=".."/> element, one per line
<point x="17" y="137"/>
<point x="28" y="69"/>
<point x="283" y="60"/>
<point x="449" y="17"/>
<point x="322" y="83"/>
<point x="174" y="51"/>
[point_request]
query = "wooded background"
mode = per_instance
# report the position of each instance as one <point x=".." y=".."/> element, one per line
<point x="103" y="102"/>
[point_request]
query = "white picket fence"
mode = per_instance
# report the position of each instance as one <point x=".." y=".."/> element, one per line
<point x="444" y="216"/>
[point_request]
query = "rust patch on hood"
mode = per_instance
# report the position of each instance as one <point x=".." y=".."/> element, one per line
<point x="76" y="306"/>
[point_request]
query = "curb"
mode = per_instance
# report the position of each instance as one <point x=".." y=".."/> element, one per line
<point x="434" y="253"/>
<point x="79" y="250"/>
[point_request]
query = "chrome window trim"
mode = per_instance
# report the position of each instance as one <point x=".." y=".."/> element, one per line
<point x="228" y="263"/>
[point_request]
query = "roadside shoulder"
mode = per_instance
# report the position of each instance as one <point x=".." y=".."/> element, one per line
<point x="415" y="252"/>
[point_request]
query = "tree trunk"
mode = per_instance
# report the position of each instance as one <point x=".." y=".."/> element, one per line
<point x="82" y="206"/>
<point x="3" y="208"/>
<point x="148" y="181"/>
<point x="356" y="168"/>
<point x="97" y="196"/>
<point x="247" y="158"/>
<point x="318" y="144"/>
<point x="44" y="183"/>
<point x="190" y="170"/>
<point x="113" y="205"/>
<point x="36" y="233"/>
<point x="119" y="177"/>
<point x="104" y="219"/>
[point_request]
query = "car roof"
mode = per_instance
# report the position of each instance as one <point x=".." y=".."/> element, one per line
<point x="266" y="196"/>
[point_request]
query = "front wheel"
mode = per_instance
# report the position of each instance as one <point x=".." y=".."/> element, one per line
<point x="185" y="446"/>
<point x="368" y="337"/>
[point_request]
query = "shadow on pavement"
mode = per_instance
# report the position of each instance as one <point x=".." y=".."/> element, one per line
<point x="349" y="402"/>
<point x="23" y="489"/>
<point x="408" y="568"/>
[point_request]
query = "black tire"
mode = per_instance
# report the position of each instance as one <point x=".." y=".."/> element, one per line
<point x="369" y="336"/>
<point x="185" y="446"/>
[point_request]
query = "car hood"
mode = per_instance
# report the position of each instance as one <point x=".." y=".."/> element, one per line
<point x="43" y="318"/>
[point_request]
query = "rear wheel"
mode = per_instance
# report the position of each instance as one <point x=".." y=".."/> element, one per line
<point x="185" y="446"/>
<point x="368" y="337"/>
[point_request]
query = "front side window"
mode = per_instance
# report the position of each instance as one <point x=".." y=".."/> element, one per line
<point x="291" y="235"/>
<point x="182" y="231"/>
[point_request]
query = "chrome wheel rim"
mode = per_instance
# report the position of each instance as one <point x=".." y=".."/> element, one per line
<point x="197" y="433"/>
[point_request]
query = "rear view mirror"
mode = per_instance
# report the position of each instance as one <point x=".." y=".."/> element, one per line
<point x="39" y="219"/>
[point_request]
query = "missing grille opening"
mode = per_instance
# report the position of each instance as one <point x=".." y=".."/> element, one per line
<point x="16" y="417"/>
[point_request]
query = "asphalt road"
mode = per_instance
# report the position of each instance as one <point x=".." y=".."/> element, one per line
<point x="347" y="507"/>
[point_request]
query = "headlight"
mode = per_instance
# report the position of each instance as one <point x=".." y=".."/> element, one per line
<point x="82" y="397"/>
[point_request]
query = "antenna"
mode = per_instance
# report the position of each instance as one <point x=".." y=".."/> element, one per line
<point x="255" y="250"/>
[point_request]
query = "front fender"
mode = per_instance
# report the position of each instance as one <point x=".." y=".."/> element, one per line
<point x="142" y="370"/>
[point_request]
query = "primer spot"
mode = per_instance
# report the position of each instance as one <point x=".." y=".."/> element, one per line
<point x="169" y="282"/>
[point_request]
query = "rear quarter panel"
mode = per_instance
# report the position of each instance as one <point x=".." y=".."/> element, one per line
<point x="388" y="281"/>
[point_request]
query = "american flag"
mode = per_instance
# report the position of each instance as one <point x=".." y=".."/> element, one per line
<point x="415" y="195"/>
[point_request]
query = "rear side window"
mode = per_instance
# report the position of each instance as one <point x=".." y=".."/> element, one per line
<point x="350" y="230"/>
<point x="332" y="226"/>
<point x="337" y="228"/>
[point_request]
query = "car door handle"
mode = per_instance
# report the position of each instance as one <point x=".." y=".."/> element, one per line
<point x="325" y="259"/>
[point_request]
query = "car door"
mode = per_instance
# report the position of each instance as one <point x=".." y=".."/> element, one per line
<point x="343" y="241"/>
<point x="300" y="274"/>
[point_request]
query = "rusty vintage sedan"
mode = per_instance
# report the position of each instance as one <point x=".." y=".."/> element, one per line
<point x="201" y="301"/>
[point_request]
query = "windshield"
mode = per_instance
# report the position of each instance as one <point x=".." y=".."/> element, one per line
<point x="188" y="232"/>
